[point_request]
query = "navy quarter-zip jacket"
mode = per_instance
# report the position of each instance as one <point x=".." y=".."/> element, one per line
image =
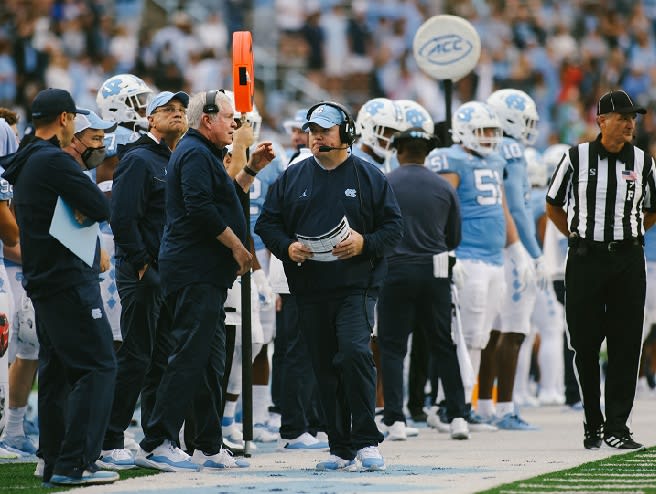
<point x="40" y="172"/>
<point x="310" y="200"/>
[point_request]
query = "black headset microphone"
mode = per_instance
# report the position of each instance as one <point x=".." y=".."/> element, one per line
<point x="326" y="149"/>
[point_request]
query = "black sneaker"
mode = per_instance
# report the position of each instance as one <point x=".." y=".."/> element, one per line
<point x="621" y="440"/>
<point x="592" y="436"/>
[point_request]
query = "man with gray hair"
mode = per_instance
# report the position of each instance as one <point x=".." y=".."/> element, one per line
<point x="201" y="253"/>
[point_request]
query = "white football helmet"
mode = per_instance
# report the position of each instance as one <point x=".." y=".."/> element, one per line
<point x="415" y="116"/>
<point x="374" y="117"/>
<point x="552" y="156"/>
<point x="517" y="112"/>
<point x="469" y="124"/>
<point x="252" y="117"/>
<point x="535" y="168"/>
<point x="120" y="98"/>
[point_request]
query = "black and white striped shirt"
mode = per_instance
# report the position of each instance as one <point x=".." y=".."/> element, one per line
<point x="605" y="193"/>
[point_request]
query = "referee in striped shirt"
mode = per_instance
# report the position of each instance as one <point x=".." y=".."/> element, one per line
<point x="603" y="197"/>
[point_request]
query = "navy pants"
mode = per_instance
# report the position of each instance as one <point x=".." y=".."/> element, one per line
<point x="77" y="370"/>
<point x="144" y="326"/>
<point x="418" y="301"/>
<point x="193" y="375"/>
<point x="299" y="399"/>
<point x="337" y="330"/>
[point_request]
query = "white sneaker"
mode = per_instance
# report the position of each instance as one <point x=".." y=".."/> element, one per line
<point x="6" y="454"/>
<point x="550" y="399"/>
<point x="116" y="459"/>
<point x="130" y="443"/>
<point x="459" y="428"/>
<point x="166" y="457"/>
<point x="371" y="459"/>
<point x="396" y="431"/>
<point x="263" y="435"/>
<point x="434" y="421"/>
<point x="220" y="461"/>
<point x="322" y="437"/>
<point x="232" y="432"/>
<point x="303" y="442"/>
<point x="273" y="422"/>
<point x="411" y="431"/>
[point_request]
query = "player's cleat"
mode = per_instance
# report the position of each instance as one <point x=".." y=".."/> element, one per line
<point x="513" y="422"/>
<point x="166" y="457"/>
<point x="5" y="454"/>
<point x="220" y="461"/>
<point x="459" y="428"/>
<point x="334" y="463"/>
<point x="116" y="459"/>
<point x="477" y="423"/>
<point x="592" y="436"/>
<point x="303" y="442"/>
<point x="19" y="445"/>
<point x="87" y="478"/>
<point x="621" y="440"/>
<point x="262" y="434"/>
<point x="371" y="459"/>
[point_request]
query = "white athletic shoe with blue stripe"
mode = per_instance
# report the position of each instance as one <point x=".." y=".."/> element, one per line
<point x="87" y="478"/>
<point x="116" y="459"/>
<point x="220" y="461"/>
<point x="166" y="457"/>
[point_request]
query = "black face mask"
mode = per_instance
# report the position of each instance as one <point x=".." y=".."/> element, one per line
<point x="92" y="157"/>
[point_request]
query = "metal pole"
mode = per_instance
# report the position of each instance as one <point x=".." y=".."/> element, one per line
<point x="246" y="340"/>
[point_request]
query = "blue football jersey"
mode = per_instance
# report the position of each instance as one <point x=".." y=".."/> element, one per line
<point x="518" y="193"/>
<point x="260" y="187"/>
<point x="120" y="136"/>
<point x="480" y="196"/>
<point x="6" y="193"/>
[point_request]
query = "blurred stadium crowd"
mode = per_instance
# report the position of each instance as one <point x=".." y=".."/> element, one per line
<point x="565" y="54"/>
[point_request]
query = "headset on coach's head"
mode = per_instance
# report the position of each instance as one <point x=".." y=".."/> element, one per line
<point x="432" y="141"/>
<point x="347" y="132"/>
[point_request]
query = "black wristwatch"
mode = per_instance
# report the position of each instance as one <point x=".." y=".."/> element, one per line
<point x="250" y="171"/>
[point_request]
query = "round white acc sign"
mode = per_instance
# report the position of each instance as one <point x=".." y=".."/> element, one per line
<point x="447" y="47"/>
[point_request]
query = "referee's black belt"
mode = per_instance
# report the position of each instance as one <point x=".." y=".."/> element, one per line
<point x="612" y="246"/>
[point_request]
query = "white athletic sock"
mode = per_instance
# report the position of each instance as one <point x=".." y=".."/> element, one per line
<point x="260" y="403"/>
<point x="229" y="409"/>
<point x="505" y="408"/>
<point x="14" y="425"/>
<point x="485" y="408"/>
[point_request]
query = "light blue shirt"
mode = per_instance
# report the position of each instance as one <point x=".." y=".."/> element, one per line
<point x="480" y="195"/>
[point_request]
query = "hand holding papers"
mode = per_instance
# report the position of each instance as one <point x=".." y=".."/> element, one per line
<point x="322" y="246"/>
<point x="80" y="240"/>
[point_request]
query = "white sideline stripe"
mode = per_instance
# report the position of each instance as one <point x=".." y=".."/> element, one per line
<point x="590" y="481"/>
<point x="551" y="492"/>
<point x="570" y="488"/>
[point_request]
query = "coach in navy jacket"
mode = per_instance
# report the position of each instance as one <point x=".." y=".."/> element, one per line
<point x="201" y="253"/>
<point x="336" y="299"/>
<point x="77" y="366"/>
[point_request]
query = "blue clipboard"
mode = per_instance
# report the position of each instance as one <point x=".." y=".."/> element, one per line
<point x="80" y="240"/>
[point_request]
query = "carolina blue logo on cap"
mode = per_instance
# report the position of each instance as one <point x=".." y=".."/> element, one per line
<point x="325" y="116"/>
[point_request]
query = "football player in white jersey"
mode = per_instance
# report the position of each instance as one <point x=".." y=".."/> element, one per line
<point x="474" y="167"/>
<point x="122" y="99"/>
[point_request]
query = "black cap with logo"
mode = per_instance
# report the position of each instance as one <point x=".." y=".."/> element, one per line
<point x="52" y="102"/>
<point x="617" y="102"/>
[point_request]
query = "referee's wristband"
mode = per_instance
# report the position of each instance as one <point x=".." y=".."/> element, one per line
<point x="250" y="171"/>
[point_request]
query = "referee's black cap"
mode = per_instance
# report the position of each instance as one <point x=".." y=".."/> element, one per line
<point x="618" y="102"/>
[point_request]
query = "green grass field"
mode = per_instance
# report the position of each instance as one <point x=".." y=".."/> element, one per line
<point x="19" y="478"/>
<point x="631" y="472"/>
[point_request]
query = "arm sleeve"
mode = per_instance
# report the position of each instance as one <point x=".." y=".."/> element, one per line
<point x="196" y="179"/>
<point x="77" y="190"/>
<point x="388" y="223"/>
<point x="560" y="182"/>
<point x="270" y="225"/>
<point x="129" y="192"/>
<point x="650" y="185"/>
<point x="454" y="222"/>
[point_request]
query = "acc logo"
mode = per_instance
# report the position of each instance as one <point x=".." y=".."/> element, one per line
<point x="445" y="50"/>
<point x="349" y="192"/>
